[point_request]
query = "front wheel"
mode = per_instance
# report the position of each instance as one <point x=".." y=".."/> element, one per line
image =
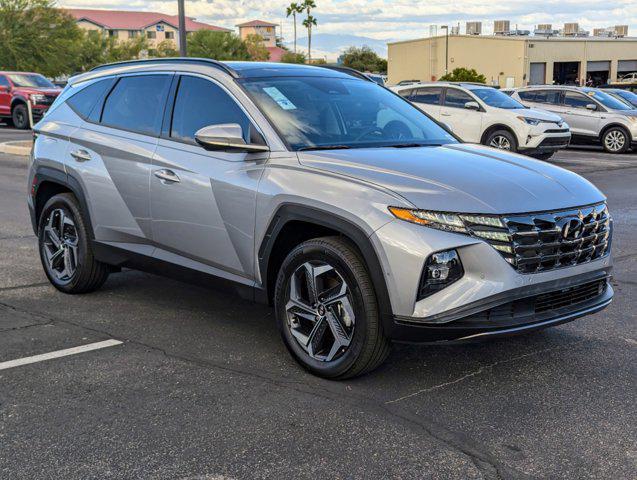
<point x="326" y="310"/>
<point x="65" y="250"/>
<point x="503" y="140"/>
<point x="20" y="117"/>
<point x="615" y="140"/>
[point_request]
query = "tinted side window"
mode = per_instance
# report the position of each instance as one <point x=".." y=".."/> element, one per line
<point x="200" y="103"/>
<point x="548" y="96"/>
<point x="430" y="96"/>
<point x="137" y="103"/>
<point x="405" y="93"/>
<point x="528" y="96"/>
<point x="82" y="102"/>
<point x="4" y="82"/>
<point x="577" y="100"/>
<point x="457" y="98"/>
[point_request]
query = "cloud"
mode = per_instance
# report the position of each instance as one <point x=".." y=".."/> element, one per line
<point x="392" y="19"/>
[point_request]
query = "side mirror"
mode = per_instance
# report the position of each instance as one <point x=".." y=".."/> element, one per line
<point x="591" y="106"/>
<point x="226" y="136"/>
<point x="472" y="105"/>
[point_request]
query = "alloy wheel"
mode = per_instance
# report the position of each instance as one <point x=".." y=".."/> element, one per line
<point x="615" y="140"/>
<point x="501" y="142"/>
<point x="60" y="245"/>
<point x="319" y="311"/>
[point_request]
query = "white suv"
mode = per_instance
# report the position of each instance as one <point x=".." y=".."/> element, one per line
<point x="478" y="113"/>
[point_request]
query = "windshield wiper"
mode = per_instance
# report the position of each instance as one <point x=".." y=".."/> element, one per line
<point x="324" y="147"/>
<point x="413" y="145"/>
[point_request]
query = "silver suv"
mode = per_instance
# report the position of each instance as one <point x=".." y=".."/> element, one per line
<point x="359" y="218"/>
<point x="595" y="116"/>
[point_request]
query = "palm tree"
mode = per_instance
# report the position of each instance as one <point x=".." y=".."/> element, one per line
<point x="293" y="9"/>
<point x="308" y="23"/>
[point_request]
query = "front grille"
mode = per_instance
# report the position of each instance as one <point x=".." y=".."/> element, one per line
<point x="556" y="130"/>
<point x="48" y="100"/>
<point x="554" y="141"/>
<point x="538" y="242"/>
<point x="568" y="296"/>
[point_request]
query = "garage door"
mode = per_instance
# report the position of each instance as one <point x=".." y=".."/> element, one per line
<point x="538" y="74"/>
<point x="627" y="66"/>
<point x="603" y="66"/>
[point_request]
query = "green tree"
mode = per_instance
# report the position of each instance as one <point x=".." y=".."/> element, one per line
<point x="36" y="36"/>
<point x="217" y="45"/>
<point x="165" y="48"/>
<point x="291" y="57"/>
<point x="256" y="48"/>
<point x="364" y="59"/>
<point x="293" y="9"/>
<point x="462" y="74"/>
<point x="308" y="23"/>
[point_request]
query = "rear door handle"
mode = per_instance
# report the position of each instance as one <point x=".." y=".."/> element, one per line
<point x="166" y="176"/>
<point x="81" y="155"/>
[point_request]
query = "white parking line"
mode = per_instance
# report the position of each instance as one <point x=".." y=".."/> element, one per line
<point x="59" y="353"/>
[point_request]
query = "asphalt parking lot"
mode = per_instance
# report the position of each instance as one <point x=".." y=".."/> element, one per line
<point x="201" y="387"/>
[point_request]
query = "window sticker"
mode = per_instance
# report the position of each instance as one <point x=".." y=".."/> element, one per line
<point x="283" y="101"/>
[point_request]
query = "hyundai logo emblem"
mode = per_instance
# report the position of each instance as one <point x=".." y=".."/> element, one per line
<point x="572" y="229"/>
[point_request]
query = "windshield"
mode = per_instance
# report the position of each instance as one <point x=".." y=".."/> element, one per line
<point x="626" y="96"/>
<point x="33" y="80"/>
<point x="496" y="98"/>
<point x="328" y="112"/>
<point x="608" y="100"/>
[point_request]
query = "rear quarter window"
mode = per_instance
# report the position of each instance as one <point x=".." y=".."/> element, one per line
<point x="83" y="102"/>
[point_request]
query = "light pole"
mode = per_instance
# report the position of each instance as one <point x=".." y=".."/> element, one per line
<point x="182" y="27"/>
<point x="446" y="29"/>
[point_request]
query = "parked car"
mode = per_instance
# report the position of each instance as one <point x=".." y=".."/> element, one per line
<point x="359" y="218"/>
<point x="379" y="79"/>
<point x="626" y="96"/>
<point x="628" y="78"/>
<point x="478" y="113"/>
<point x="18" y="89"/>
<point x="593" y="115"/>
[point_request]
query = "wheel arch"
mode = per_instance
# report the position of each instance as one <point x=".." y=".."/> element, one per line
<point x="18" y="100"/>
<point x="615" y="125"/>
<point x="48" y="182"/>
<point x="293" y="224"/>
<point x="498" y="126"/>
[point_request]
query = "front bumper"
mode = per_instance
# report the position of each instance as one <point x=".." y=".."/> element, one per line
<point x="513" y="312"/>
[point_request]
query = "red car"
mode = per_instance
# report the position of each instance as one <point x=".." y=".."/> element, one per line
<point x="19" y="88"/>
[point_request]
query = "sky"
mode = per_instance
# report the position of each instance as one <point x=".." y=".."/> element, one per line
<point x="392" y="20"/>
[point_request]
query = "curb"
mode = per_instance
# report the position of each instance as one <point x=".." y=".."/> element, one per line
<point x="20" y="147"/>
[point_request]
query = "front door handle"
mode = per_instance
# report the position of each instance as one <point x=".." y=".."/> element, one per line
<point x="166" y="176"/>
<point x="81" y="155"/>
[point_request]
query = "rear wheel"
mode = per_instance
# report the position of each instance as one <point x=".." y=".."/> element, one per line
<point x="503" y="140"/>
<point x="65" y="250"/>
<point x="327" y="311"/>
<point x="615" y="140"/>
<point x="20" y="116"/>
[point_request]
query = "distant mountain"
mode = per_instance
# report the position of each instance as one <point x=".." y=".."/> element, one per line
<point x="332" y="45"/>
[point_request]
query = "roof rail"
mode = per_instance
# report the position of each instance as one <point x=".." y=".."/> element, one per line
<point x="348" y="71"/>
<point x="200" y="61"/>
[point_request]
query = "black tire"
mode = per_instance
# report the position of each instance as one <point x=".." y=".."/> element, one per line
<point x="543" y="156"/>
<point x="494" y="137"/>
<point x="368" y="347"/>
<point x="620" y="135"/>
<point x="89" y="274"/>
<point x="20" y="116"/>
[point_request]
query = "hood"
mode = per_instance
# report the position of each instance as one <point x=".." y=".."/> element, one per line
<point x="461" y="178"/>
<point x="44" y="91"/>
<point x="535" y="113"/>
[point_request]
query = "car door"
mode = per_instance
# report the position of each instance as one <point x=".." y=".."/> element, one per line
<point x="111" y="155"/>
<point x="465" y="123"/>
<point x="203" y="202"/>
<point x="5" y="96"/>
<point x="581" y="120"/>
<point x="428" y="99"/>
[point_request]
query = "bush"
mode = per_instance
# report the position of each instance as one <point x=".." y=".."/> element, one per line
<point x="291" y="57"/>
<point x="462" y="74"/>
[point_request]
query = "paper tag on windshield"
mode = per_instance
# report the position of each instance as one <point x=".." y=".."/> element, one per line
<point x="283" y="101"/>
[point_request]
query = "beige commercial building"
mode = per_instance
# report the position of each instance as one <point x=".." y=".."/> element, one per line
<point x="513" y="61"/>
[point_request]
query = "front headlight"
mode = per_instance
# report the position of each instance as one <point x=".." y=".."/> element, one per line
<point x="450" y="222"/>
<point x="530" y="121"/>
<point x="37" y="98"/>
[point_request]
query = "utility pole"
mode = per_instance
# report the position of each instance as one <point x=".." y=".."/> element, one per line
<point x="446" y="28"/>
<point x="182" y="27"/>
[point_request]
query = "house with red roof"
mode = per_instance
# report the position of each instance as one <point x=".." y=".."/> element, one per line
<point x="124" y="24"/>
<point x="267" y="31"/>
